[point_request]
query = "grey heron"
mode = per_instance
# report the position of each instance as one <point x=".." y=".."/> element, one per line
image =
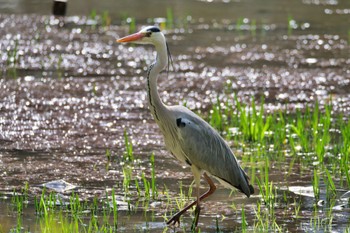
<point x="187" y="136"/>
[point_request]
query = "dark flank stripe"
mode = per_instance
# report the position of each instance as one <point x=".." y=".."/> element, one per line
<point x="149" y="92"/>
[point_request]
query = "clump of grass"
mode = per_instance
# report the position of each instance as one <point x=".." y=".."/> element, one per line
<point x="128" y="154"/>
<point x="128" y="21"/>
<point x="13" y="58"/>
<point x="17" y="202"/>
<point x="146" y="185"/>
<point x="106" y="19"/>
<point x="216" y="117"/>
<point x="266" y="187"/>
<point x="76" y="207"/>
<point x="246" y="24"/>
<point x="182" y="197"/>
<point x="316" y="184"/>
<point x="12" y="54"/>
<point x="153" y="178"/>
<point x="330" y="186"/>
<point x="311" y="136"/>
<point x="265" y="221"/>
<point x="93" y="18"/>
<point x="110" y="211"/>
<point x="20" y="200"/>
<point x="239" y="24"/>
<point x="244" y="223"/>
<point x="127" y="178"/>
<point x="250" y="121"/>
<point x="169" y="18"/>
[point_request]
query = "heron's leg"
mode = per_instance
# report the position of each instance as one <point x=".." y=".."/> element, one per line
<point x="197" y="210"/>
<point x="176" y="218"/>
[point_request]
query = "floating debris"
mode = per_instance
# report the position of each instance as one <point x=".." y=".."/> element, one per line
<point x="306" y="191"/>
<point x="59" y="186"/>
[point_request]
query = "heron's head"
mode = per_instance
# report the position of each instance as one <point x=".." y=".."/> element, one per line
<point x="147" y="35"/>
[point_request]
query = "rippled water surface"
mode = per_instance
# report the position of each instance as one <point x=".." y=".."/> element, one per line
<point x="68" y="92"/>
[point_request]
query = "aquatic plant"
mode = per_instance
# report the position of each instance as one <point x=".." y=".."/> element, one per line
<point x="169" y="18"/>
<point x="153" y="178"/>
<point x="106" y="19"/>
<point x="76" y="207"/>
<point x="128" y="21"/>
<point x="244" y="223"/>
<point x="115" y="210"/>
<point x="309" y="136"/>
<point x="127" y="177"/>
<point x="12" y="54"/>
<point x="291" y="25"/>
<point x="265" y="221"/>
<point x="93" y="14"/>
<point x="17" y="202"/>
<point x="330" y="187"/>
<point x="216" y="116"/>
<point x="267" y="189"/>
<point x="128" y="154"/>
<point x="40" y="204"/>
<point x="146" y="185"/>
<point x="316" y="184"/>
<point x="239" y="24"/>
<point x="12" y="58"/>
<point x="109" y="158"/>
<point x="253" y="27"/>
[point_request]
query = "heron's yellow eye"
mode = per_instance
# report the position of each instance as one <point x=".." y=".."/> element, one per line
<point x="148" y="34"/>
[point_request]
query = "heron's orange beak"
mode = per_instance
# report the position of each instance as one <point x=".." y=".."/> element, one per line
<point x="130" y="38"/>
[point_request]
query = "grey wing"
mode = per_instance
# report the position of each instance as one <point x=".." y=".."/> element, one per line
<point x="205" y="148"/>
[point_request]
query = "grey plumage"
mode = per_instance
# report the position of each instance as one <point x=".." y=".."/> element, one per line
<point x="188" y="137"/>
<point x="204" y="148"/>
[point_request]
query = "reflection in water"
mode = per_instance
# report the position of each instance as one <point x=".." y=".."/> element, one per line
<point x="68" y="93"/>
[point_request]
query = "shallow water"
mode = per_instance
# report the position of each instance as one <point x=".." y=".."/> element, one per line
<point x="68" y="92"/>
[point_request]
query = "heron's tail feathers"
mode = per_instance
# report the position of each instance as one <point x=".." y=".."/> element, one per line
<point x="249" y="189"/>
<point x="245" y="191"/>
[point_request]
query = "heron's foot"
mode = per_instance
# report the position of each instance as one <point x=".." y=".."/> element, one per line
<point x="175" y="220"/>
<point x="196" y="217"/>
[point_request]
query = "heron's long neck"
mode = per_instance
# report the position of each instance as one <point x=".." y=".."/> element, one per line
<point x="155" y="103"/>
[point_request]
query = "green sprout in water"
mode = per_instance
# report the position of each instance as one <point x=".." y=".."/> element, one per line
<point x="106" y="19"/>
<point x="169" y="18"/>
<point x="153" y="179"/>
<point x="128" y="154"/>
<point x="244" y="223"/>
<point x="316" y="184"/>
<point x="292" y="24"/>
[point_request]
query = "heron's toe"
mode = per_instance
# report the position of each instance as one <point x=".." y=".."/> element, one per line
<point x="174" y="221"/>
